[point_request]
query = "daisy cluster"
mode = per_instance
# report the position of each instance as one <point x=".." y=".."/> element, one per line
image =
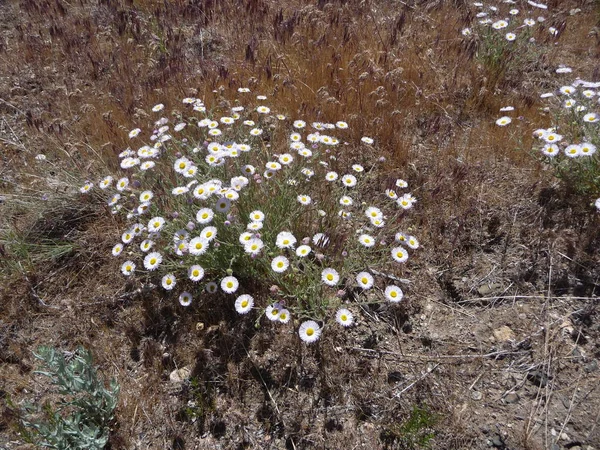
<point x="576" y="104"/>
<point x="507" y="20"/>
<point x="233" y="200"/>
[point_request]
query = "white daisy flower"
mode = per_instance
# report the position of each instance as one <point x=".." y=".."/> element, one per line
<point x="349" y="180"/>
<point x="257" y="216"/>
<point x="280" y="264"/>
<point x="117" y="249"/>
<point x="127" y="268"/>
<point x="146" y="196"/>
<point x="229" y="284"/>
<point x="86" y="188"/>
<point x="223" y="205"/>
<point x="105" y="182"/>
<point x="263" y="110"/>
<point x="309" y="331"/>
<point x="285" y="239"/>
<point x="366" y="240"/>
<point x="185" y="299"/>
<point x="573" y="151"/>
<point x="254" y="246"/>
<point x="146" y="245"/>
<point x="373" y="212"/>
<point x="158" y="107"/>
<point x="591" y="118"/>
<point x="204" y="215"/>
<point x="320" y="240"/>
<point x="346" y="201"/>
<point x="299" y="124"/>
<point x="168" y="281"/>
<point x="254" y="226"/>
<point x="550" y="149"/>
<point x="284" y="316"/>
<point x="587" y="149"/>
<point x="244" y="303"/>
<point x="344" y="317"/>
<point x="358" y="168"/>
<point x="303" y="250"/>
<point x="211" y="287"/>
<point x="209" y="233"/>
<point x="367" y="140"/>
<point x="272" y="311"/>
<point x="195" y="273"/>
<point x="152" y="260"/>
<point x="198" y="246"/>
<point x="127" y="237"/>
<point x="365" y="280"/>
<point x="304" y="199"/>
<point x="412" y="242"/>
<point x="330" y="276"/>
<point x="399" y="254"/>
<point x="156" y="224"/>
<point x="503" y="121"/>
<point x="393" y="293"/>
<point x="331" y="176"/>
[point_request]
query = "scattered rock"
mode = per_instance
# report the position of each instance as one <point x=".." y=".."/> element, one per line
<point x="504" y="334"/>
<point x="538" y="378"/>
<point x="575" y="11"/>
<point x="513" y="397"/>
<point x="180" y="375"/>
<point x="496" y="441"/>
<point x="487" y="289"/>
<point x="555" y="447"/>
<point x="476" y="395"/>
<point x="591" y="367"/>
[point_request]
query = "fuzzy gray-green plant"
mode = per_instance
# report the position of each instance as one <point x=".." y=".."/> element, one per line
<point x="85" y="409"/>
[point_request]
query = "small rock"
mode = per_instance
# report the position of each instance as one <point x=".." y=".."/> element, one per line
<point x="555" y="447"/>
<point x="180" y="375"/>
<point x="565" y="437"/>
<point x="575" y="11"/>
<point x="504" y="334"/>
<point x="496" y="441"/>
<point x="538" y="378"/>
<point x="487" y="289"/>
<point x="476" y="395"/>
<point x="513" y="397"/>
<point x="591" y="367"/>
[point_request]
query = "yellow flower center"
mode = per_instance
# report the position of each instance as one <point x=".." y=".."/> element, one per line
<point x="229" y="284"/>
<point x="310" y="331"/>
<point x="393" y="294"/>
<point x="169" y="282"/>
<point x="182" y="165"/>
<point x="244" y="303"/>
<point x="329" y="277"/>
<point x="364" y="280"/>
<point x="153" y="261"/>
<point x="198" y="246"/>
<point x="344" y="317"/>
<point x="196" y="273"/>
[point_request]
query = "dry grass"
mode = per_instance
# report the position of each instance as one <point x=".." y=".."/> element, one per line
<point x="77" y="76"/>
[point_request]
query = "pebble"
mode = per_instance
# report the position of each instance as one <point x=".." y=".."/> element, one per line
<point x="180" y="375"/>
<point x="476" y="395"/>
<point x="591" y="367"/>
<point x="504" y="334"/>
<point x="511" y="398"/>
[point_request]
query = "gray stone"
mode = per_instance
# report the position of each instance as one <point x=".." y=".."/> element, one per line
<point x="592" y="367"/>
<point x="513" y="397"/>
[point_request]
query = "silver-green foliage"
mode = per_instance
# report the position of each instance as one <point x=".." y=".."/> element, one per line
<point x="84" y="411"/>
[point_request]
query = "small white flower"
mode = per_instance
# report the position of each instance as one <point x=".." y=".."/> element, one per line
<point x="366" y="240"/>
<point x="244" y="303"/>
<point x="304" y="199"/>
<point x="399" y="254"/>
<point x="152" y="260"/>
<point x="365" y="280"/>
<point x="309" y="331"/>
<point x="303" y="250"/>
<point x="127" y="268"/>
<point x="344" y="317"/>
<point x="503" y="121"/>
<point x="394" y="293"/>
<point x="168" y="281"/>
<point x="229" y="284"/>
<point x="280" y="264"/>
<point x="330" y="276"/>
<point x="195" y="273"/>
<point x="204" y="215"/>
<point x="185" y="299"/>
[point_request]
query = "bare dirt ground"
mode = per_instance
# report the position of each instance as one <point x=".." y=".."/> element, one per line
<point x="497" y="344"/>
